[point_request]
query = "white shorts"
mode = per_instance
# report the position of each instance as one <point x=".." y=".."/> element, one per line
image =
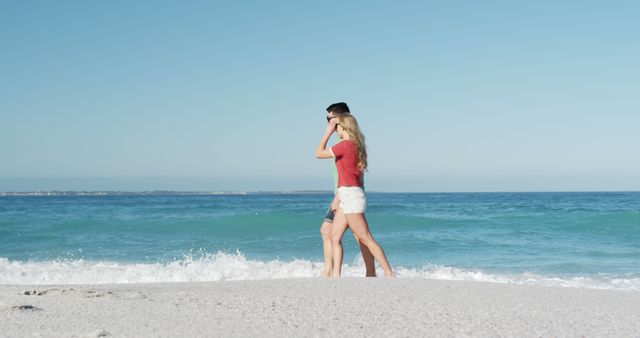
<point x="352" y="200"/>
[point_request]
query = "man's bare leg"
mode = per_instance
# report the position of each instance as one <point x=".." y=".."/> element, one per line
<point x="325" y="231"/>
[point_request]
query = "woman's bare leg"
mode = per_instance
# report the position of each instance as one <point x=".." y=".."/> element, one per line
<point x="338" y="228"/>
<point x="359" y="226"/>
<point x="325" y="231"/>
<point x="367" y="257"/>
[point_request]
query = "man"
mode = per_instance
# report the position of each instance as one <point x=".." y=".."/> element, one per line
<point x="333" y="111"/>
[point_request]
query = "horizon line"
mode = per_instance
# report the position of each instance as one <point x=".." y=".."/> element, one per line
<point x="245" y="192"/>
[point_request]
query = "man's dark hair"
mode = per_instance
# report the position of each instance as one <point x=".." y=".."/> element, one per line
<point x="338" y="108"/>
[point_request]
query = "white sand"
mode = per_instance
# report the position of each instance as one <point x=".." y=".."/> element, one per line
<point x="318" y="307"/>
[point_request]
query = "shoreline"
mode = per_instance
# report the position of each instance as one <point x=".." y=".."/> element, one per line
<point x="316" y="307"/>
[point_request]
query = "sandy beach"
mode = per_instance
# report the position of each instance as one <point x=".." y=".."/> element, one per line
<point x="316" y="307"/>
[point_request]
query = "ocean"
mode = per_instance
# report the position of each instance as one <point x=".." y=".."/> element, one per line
<point x="589" y="240"/>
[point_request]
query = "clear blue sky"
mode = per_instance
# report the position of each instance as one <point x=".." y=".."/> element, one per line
<point x="212" y="95"/>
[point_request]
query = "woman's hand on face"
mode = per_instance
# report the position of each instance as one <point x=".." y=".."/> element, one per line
<point x="331" y="127"/>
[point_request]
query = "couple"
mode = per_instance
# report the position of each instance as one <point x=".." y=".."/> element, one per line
<point x="349" y="204"/>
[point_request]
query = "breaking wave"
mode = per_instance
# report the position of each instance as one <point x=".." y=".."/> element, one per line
<point x="225" y="266"/>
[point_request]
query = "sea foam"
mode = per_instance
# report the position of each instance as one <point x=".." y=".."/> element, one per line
<point x="225" y="266"/>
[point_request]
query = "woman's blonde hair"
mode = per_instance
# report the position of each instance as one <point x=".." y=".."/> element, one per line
<point x="350" y="126"/>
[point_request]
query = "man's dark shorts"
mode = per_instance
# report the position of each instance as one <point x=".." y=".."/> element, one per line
<point x="328" y="218"/>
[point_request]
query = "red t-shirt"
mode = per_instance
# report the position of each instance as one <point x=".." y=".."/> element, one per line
<point x="346" y="154"/>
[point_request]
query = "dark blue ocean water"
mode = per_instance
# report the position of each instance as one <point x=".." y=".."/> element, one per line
<point x="572" y="239"/>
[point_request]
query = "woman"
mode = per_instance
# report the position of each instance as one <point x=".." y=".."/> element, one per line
<point x="351" y="160"/>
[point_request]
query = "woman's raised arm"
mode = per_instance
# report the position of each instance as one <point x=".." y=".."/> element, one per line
<point x="321" y="151"/>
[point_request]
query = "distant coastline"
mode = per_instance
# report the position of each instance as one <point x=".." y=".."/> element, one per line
<point x="270" y="192"/>
<point x="151" y="193"/>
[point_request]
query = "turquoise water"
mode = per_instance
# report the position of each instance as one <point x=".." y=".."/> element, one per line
<point x="570" y="239"/>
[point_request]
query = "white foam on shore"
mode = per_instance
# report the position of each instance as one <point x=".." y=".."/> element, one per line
<point x="224" y="266"/>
